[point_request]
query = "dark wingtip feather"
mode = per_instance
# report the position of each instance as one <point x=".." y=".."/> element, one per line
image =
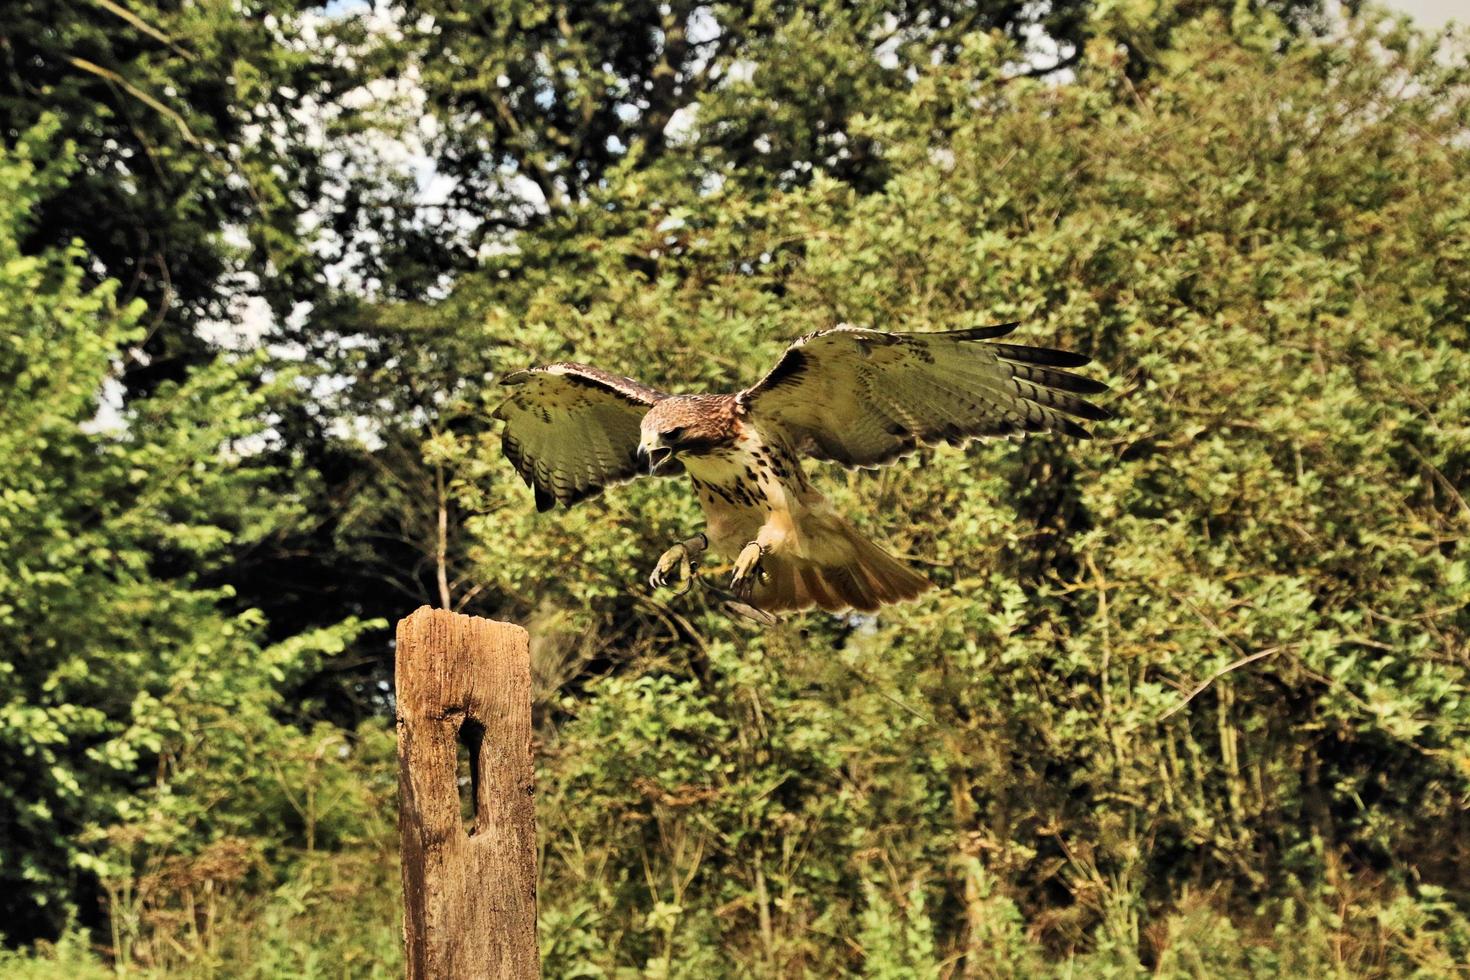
<point x="1075" y="383"/>
<point x="1085" y="386"/>
<point x="1085" y="410"/>
<point x="544" y="500"/>
<point x="1074" y="430"/>
<point x="984" y="333"/>
<point x="1045" y="356"/>
<point x="1060" y="380"/>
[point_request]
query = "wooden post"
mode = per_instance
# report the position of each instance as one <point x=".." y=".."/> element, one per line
<point x="469" y="898"/>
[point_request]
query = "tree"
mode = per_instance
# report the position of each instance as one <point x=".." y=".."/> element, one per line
<point x="1220" y="651"/>
<point x="1190" y="698"/>
<point x="113" y="649"/>
<point x="229" y="154"/>
<point x="536" y="101"/>
<point x="218" y="155"/>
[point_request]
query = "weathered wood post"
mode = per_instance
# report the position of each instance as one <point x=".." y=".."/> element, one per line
<point x="469" y="898"/>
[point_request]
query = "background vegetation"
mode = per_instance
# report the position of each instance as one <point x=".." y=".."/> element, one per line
<point x="1192" y="699"/>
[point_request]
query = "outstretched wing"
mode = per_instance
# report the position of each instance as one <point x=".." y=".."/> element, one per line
<point x="571" y="430"/>
<point x="866" y="397"/>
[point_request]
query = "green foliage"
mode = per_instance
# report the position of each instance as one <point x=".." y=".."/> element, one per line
<point x="202" y="132"/>
<point x="538" y="103"/>
<point x="1219" y="651"/>
<point x="125" y="675"/>
<point x="1190" y="699"/>
<point x="270" y="852"/>
<point x="68" y="957"/>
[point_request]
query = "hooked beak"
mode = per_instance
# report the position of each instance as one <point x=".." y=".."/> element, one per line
<point x="655" y="458"/>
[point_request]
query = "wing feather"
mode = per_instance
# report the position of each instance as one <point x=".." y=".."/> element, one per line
<point x="571" y="430"/>
<point x="866" y="397"/>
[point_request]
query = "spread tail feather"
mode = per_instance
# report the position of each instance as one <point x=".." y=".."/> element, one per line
<point x="864" y="577"/>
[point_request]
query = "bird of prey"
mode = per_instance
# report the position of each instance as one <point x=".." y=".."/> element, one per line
<point x="857" y="397"/>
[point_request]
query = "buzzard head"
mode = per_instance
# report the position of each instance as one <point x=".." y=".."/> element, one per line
<point x="685" y="425"/>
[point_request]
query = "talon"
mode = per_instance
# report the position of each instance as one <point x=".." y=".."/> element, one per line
<point x="748" y="570"/>
<point x="674" y="566"/>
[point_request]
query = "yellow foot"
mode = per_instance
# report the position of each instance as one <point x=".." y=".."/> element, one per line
<point x="674" y="567"/>
<point x="747" y="571"/>
<point x="678" y="565"/>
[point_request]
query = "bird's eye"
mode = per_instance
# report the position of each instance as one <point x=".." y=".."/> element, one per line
<point x="674" y="434"/>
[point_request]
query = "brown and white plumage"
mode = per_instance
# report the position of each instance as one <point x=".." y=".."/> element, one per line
<point x="573" y="430"/>
<point x="858" y="397"/>
<point x="866" y="397"/>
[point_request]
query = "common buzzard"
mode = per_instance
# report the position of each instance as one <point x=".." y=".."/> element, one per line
<point x="861" y="398"/>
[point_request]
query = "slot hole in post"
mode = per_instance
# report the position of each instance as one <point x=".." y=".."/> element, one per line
<point x="467" y="771"/>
